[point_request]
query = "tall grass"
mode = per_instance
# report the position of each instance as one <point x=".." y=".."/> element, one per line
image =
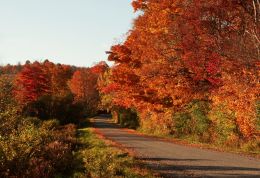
<point x="101" y="160"/>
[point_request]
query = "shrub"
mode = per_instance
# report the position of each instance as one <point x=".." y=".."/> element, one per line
<point x="193" y="120"/>
<point x="182" y="122"/>
<point x="160" y="124"/>
<point x="251" y="146"/>
<point x="37" y="149"/>
<point x="198" y="111"/>
<point x="8" y="120"/>
<point x="224" y="124"/>
<point x="104" y="163"/>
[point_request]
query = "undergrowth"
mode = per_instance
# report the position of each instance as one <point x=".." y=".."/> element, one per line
<point x="101" y="160"/>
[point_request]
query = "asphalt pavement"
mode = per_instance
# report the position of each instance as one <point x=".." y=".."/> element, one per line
<point x="174" y="160"/>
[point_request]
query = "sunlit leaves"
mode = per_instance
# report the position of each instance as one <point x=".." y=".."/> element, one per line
<point x="181" y="50"/>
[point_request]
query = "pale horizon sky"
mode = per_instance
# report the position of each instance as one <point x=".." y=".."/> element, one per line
<point x="74" y="32"/>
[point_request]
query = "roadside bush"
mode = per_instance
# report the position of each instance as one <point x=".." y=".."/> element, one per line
<point x="104" y="163"/>
<point x="252" y="146"/>
<point x="224" y="124"/>
<point x="193" y="120"/>
<point x="182" y="122"/>
<point x="198" y="111"/>
<point x="160" y="124"/>
<point x="37" y="149"/>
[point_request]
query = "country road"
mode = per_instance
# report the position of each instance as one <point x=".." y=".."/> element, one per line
<point x="173" y="160"/>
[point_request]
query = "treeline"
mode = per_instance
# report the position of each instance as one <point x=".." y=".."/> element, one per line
<point x="189" y="68"/>
<point x="41" y="104"/>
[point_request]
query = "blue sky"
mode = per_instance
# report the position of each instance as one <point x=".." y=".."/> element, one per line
<point x="76" y="32"/>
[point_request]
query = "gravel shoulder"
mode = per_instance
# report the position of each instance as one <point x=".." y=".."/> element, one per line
<point x="174" y="160"/>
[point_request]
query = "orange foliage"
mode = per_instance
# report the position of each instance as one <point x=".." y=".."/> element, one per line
<point x="84" y="86"/>
<point x="239" y="92"/>
<point x="58" y="76"/>
<point x="181" y="50"/>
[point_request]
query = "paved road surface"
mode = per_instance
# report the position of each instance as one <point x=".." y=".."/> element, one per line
<point x="173" y="160"/>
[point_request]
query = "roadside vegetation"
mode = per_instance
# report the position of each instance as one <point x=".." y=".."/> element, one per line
<point x="102" y="159"/>
<point x="41" y="105"/>
<point x="42" y="133"/>
<point x="30" y="147"/>
<point x="195" y="126"/>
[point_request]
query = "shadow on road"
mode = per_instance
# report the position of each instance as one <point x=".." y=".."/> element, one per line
<point x="170" y="170"/>
<point x="168" y="159"/>
<point x="219" y="171"/>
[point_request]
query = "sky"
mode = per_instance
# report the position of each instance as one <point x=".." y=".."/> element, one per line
<point x="76" y="32"/>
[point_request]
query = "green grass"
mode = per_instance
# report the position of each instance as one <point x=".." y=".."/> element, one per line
<point x="99" y="159"/>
